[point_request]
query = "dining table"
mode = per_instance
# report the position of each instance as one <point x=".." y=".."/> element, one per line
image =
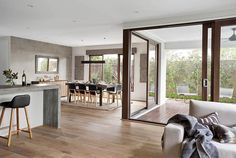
<point x="102" y="87"/>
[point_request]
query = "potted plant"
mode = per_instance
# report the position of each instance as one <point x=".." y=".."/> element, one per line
<point x="10" y="76"/>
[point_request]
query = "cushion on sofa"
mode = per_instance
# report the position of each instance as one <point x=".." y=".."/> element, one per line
<point x="209" y="120"/>
<point x="226" y="111"/>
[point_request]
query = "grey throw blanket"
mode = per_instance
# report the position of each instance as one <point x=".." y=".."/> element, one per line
<point x="197" y="138"/>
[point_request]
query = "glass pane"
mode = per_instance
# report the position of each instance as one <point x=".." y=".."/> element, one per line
<point x="228" y="64"/>
<point x="132" y="73"/>
<point x="209" y="56"/>
<point x="53" y="65"/>
<point x="151" y="75"/>
<point x="96" y="69"/>
<point x="184" y="69"/>
<point x="180" y="71"/>
<point x="138" y="77"/>
<point x="42" y="64"/>
<point x="110" y="68"/>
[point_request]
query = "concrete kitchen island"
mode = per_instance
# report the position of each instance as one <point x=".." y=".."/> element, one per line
<point x="44" y="108"/>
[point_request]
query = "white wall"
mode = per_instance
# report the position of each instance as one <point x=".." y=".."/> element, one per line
<point x="4" y="56"/>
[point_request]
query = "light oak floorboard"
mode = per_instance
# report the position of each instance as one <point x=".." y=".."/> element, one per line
<point x="88" y="133"/>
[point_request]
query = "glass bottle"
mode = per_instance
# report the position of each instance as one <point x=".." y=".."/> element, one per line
<point x="23" y="79"/>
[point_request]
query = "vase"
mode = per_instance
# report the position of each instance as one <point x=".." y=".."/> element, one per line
<point x="10" y="82"/>
<point x="13" y="83"/>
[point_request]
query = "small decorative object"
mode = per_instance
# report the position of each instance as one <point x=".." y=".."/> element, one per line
<point x="24" y="79"/>
<point x="10" y="76"/>
<point x="56" y="78"/>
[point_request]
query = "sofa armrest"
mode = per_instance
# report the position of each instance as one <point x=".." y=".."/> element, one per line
<point x="173" y="138"/>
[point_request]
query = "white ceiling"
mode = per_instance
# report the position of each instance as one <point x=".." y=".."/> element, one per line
<point x="93" y="22"/>
<point x="185" y="33"/>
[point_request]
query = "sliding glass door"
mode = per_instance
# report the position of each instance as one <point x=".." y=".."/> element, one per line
<point x="227" y="91"/>
<point x="139" y="73"/>
<point x="197" y="61"/>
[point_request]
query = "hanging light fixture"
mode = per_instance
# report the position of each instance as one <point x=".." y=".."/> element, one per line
<point x="233" y="37"/>
<point x="93" y="62"/>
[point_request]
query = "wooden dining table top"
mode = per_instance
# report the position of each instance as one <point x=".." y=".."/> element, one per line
<point x="99" y="85"/>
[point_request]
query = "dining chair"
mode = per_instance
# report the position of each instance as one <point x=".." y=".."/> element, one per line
<point x="115" y="92"/>
<point x="93" y="93"/>
<point x="82" y="92"/>
<point x="72" y="92"/>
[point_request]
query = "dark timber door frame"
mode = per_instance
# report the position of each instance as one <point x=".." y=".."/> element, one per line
<point x="126" y="74"/>
<point x="216" y="50"/>
<point x="205" y="84"/>
<point x="158" y="50"/>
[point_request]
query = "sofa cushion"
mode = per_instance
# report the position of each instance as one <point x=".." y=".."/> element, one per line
<point x="209" y="120"/>
<point x="225" y="150"/>
<point x="226" y="111"/>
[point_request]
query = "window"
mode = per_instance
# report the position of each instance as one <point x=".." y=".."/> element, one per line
<point x="96" y="69"/>
<point x="111" y="71"/>
<point x="44" y="64"/>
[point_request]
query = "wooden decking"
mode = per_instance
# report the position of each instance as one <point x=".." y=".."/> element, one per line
<point x="88" y="133"/>
<point x="163" y="113"/>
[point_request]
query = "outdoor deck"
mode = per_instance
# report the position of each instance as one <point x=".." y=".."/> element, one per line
<point x="163" y="113"/>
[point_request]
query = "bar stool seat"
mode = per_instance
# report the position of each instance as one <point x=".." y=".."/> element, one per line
<point x="6" y="104"/>
<point x="18" y="102"/>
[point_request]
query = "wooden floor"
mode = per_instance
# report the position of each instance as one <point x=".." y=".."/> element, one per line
<point x="88" y="133"/>
<point x="163" y="113"/>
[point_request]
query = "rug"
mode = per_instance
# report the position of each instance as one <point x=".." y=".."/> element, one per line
<point x="105" y="106"/>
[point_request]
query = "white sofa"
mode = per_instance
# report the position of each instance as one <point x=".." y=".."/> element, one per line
<point x="174" y="133"/>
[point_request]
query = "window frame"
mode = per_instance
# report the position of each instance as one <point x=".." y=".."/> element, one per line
<point x="48" y="59"/>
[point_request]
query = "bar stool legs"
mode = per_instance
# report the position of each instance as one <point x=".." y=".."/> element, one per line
<point x="1" y="117"/>
<point x="10" y="133"/>
<point x="27" y="119"/>
<point x="10" y="128"/>
<point x="17" y="121"/>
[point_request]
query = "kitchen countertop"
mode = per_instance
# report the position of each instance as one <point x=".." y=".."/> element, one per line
<point x="6" y="89"/>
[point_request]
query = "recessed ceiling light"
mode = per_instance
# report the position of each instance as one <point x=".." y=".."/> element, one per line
<point x="30" y="5"/>
<point x="82" y="40"/>
<point x="104" y="38"/>
<point x="27" y="28"/>
<point x="136" y="11"/>
<point x="75" y="21"/>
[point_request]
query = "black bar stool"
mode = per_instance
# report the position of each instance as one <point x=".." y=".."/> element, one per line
<point x="20" y="101"/>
